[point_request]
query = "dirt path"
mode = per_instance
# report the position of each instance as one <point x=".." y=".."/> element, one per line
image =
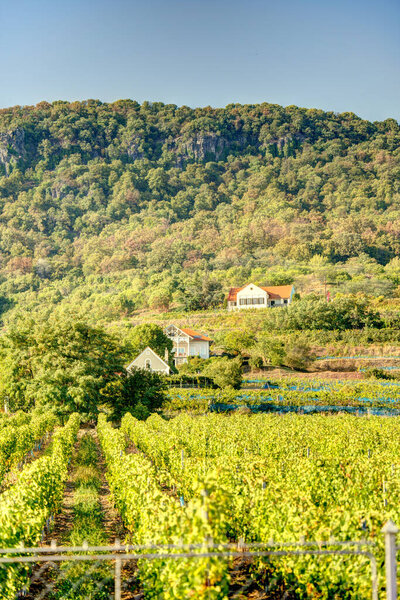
<point x="64" y="520"/>
<point x="45" y="576"/>
<point x="65" y="517"/>
<point x="112" y="521"/>
<point x="245" y="585"/>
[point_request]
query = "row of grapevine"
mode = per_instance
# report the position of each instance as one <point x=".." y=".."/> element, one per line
<point x="283" y="393"/>
<point x="287" y="476"/>
<point x="156" y="516"/>
<point x="15" y="419"/>
<point x="26" y="506"/>
<point x="16" y="440"/>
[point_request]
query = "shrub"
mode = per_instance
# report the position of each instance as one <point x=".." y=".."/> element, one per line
<point x="225" y="372"/>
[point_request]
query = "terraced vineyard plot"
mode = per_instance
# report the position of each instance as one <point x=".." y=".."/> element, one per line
<point x="285" y="395"/>
<point x="199" y="483"/>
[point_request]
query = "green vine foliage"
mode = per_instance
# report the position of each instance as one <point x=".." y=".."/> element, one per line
<point x="284" y="477"/>
<point x="16" y="440"/>
<point x="26" y="506"/>
<point x="154" y="516"/>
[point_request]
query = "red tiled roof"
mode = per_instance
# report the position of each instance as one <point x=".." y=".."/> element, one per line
<point x="232" y="294"/>
<point x="273" y="291"/>
<point x="197" y="337"/>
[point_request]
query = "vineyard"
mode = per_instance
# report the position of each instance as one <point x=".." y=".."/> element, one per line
<point x="20" y="434"/>
<point x="27" y="506"/>
<point x="205" y="481"/>
<point x="375" y="397"/>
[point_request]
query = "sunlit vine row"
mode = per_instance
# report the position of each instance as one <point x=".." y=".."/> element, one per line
<point x="18" y="439"/>
<point x="156" y="516"/>
<point x="288" y="476"/>
<point x="26" y="506"/>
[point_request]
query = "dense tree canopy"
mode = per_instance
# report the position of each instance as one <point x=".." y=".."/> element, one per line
<point x="72" y="366"/>
<point x="152" y="335"/>
<point x="62" y="363"/>
<point x="115" y="207"/>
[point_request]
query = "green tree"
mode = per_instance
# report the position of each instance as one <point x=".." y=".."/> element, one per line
<point x="139" y="392"/>
<point x="201" y="292"/>
<point x="392" y="270"/>
<point x="225" y="372"/>
<point x="343" y="312"/>
<point x="59" y="362"/>
<point x="298" y="355"/>
<point x="270" y="350"/>
<point x="149" y="334"/>
<point x="238" y="342"/>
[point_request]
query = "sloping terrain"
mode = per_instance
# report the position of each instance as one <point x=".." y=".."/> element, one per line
<point x="108" y="208"/>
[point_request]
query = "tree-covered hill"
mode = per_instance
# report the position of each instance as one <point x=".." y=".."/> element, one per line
<point x="109" y="208"/>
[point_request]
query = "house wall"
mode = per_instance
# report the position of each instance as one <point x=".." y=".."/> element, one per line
<point x="184" y="346"/>
<point x="155" y="363"/>
<point x="276" y="302"/>
<point x="180" y="347"/>
<point x="201" y="349"/>
<point x="251" y="292"/>
<point x="256" y="292"/>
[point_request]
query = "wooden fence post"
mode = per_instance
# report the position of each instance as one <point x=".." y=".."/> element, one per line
<point x="390" y="530"/>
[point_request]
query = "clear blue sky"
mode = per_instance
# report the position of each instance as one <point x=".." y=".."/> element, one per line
<point x="341" y="55"/>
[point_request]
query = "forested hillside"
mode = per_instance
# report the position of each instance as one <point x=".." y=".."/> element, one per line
<point x="109" y="208"/>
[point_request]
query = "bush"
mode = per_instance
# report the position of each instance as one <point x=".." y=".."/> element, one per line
<point x="376" y="373"/>
<point x="139" y="392"/>
<point x="194" y="365"/>
<point x="235" y="342"/>
<point x="298" y="355"/>
<point x="313" y="312"/>
<point x="225" y="372"/>
<point x="186" y="380"/>
<point x="268" y="351"/>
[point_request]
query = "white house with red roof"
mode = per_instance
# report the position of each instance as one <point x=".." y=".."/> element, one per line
<point x="187" y="343"/>
<point x="255" y="296"/>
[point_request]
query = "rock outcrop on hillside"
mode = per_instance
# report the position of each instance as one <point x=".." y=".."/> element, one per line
<point x="12" y="148"/>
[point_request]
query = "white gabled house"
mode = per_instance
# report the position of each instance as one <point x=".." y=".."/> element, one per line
<point x="148" y="359"/>
<point x="255" y="296"/>
<point x="187" y="343"/>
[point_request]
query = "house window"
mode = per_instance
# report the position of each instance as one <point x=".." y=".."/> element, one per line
<point x="251" y="301"/>
<point x="285" y="302"/>
<point x="272" y="302"/>
<point x="147" y="364"/>
<point x="181" y="351"/>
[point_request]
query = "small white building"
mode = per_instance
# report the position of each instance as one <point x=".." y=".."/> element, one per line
<point x="254" y="296"/>
<point x="187" y="343"/>
<point x="148" y="359"/>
